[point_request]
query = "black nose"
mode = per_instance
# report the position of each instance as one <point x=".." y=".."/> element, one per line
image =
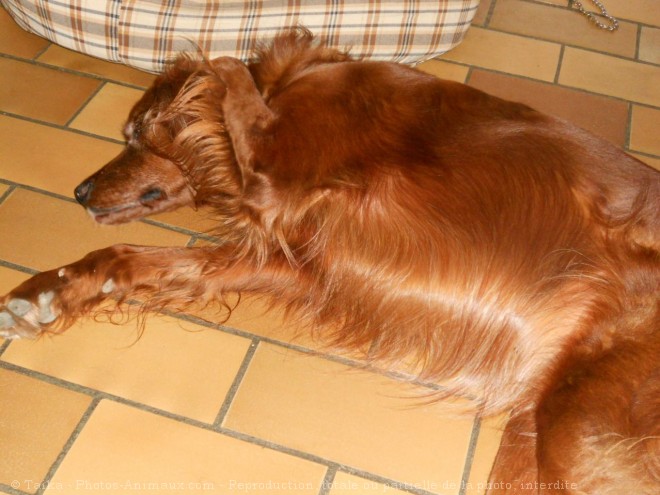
<point x="83" y="192"/>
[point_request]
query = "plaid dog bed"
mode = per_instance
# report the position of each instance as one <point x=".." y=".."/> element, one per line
<point x="147" y="33"/>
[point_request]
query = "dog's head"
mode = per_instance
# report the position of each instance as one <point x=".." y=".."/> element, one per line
<point x="175" y="137"/>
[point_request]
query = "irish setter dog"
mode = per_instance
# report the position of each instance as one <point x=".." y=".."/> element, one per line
<point x="507" y="253"/>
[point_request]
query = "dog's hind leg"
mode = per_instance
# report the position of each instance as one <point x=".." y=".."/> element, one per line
<point x="159" y="277"/>
<point x="599" y="429"/>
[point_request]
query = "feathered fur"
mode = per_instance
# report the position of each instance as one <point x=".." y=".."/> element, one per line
<point x="507" y="253"/>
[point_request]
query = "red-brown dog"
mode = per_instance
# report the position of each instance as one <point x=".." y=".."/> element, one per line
<point x="509" y="253"/>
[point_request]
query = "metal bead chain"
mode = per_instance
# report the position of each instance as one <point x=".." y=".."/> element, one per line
<point x="614" y="24"/>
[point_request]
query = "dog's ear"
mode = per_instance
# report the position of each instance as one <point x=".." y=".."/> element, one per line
<point x="288" y="54"/>
<point x="176" y="74"/>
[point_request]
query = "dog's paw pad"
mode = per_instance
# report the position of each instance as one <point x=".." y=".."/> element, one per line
<point x="20" y="307"/>
<point x="46" y="313"/>
<point x="11" y="327"/>
<point x="6" y="320"/>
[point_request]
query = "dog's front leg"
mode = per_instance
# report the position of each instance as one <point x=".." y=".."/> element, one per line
<point x="247" y="117"/>
<point x="158" y="277"/>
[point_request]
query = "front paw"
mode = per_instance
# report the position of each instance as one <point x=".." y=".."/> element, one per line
<point x="22" y="318"/>
<point x="32" y="307"/>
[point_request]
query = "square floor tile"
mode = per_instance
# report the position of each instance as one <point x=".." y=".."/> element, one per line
<point x="562" y="25"/>
<point x="37" y="420"/>
<point x="601" y="115"/>
<point x="41" y="93"/>
<point x="612" y="76"/>
<point x="174" y="366"/>
<point x="644" y="11"/>
<point x="10" y="278"/>
<point x="49" y="232"/>
<point x="47" y="158"/>
<point x="649" y="45"/>
<point x="645" y="130"/>
<point x="106" y="114"/>
<point x="120" y="445"/>
<point x="68" y="59"/>
<point x="359" y="419"/>
<point x="507" y="53"/>
<point x="445" y="70"/>
<point x="17" y="42"/>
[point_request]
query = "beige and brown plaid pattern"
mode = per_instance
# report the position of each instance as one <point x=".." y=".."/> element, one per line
<point x="146" y="33"/>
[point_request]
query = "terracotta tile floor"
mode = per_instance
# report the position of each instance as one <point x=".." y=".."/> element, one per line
<point x="242" y="408"/>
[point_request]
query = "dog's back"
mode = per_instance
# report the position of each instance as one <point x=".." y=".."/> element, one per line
<point x="498" y="246"/>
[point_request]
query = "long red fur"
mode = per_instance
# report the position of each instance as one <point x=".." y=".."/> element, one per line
<point x="507" y="253"/>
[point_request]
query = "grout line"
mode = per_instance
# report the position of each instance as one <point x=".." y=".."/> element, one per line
<point x="560" y="62"/>
<point x="614" y="55"/>
<point x="4" y="346"/>
<point x="639" y="42"/>
<point x="643" y="153"/>
<point x="469" y="457"/>
<point x="7" y="193"/>
<point x="180" y="230"/>
<point x="67" y="447"/>
<point x="556" y="85"/>
<point x="19" y="268"/>
<point x="12" y="491"/>
<point x="74" y="72"/>
<point x="233" y="390"/>
<point x="61" y="127"/>
<point x="629" y="126"/>
<point x="37" y="190"/>
<point x="85" y="103"/>
<point x="400" y="485"/>
<point x="98" y="395"/>
<point x="468" y="76"/>
<point x="415" y="489"/>
<point x="40" y="53"/>
<point x="489" y="15"/>
<point x="328" y="480"/>
<point x="52" y="380"/>
<point x="153" y="223"/>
